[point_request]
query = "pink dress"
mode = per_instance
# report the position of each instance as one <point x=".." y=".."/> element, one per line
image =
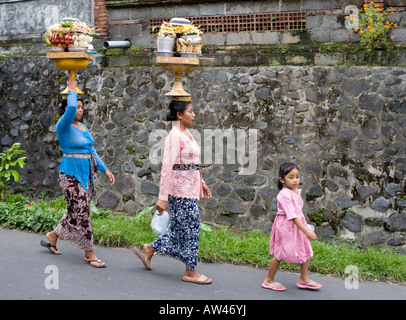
<point x="288" y="242"/>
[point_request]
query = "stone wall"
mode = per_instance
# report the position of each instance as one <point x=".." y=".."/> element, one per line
<point x="344" y="126"/>
<point x="22" y="23"/>
<point x="303" y="23"/>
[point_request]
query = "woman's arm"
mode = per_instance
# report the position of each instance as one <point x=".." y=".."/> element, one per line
<point x="171" y="153"/>
<point x="102" y="167"/>
<point x="67" y="118"/>
<point x="99" y="162"/>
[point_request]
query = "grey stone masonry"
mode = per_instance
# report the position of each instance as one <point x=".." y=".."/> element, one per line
<point x="344" y="126"/>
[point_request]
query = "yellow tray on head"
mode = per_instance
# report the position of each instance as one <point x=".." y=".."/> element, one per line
<point x="178" y="65"/>
<point x="71" y="61"/>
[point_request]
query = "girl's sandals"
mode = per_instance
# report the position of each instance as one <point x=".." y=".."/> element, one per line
<point x="309" y="285"/>
<point x="276" y="286"/>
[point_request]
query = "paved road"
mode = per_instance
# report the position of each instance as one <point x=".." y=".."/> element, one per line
<point x="24" y="275"/>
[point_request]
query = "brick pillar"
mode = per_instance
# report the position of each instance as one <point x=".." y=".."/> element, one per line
<point x="101" y="19"/>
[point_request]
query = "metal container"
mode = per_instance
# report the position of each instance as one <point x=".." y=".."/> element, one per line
<point x="77" y="49"/>
<point x="189" y="54"/>
<point x="165" y="44"/>
<point x="165" y="54"/>
<point x="56" y="49"/>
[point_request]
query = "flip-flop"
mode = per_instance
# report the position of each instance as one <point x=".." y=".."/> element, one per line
<point x="309" y="285"/>
<point x="49" y="246"/>
<point x="201" y="280"/>
<point x="98" y="261"/>
<point x="140" y="255"/>
<point x="272" y="286"/>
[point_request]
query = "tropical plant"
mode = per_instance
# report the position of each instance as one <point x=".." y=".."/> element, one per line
<point x="8" y="160"/>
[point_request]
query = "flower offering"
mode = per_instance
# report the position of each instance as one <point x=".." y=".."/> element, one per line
<point x="180" y="36"/>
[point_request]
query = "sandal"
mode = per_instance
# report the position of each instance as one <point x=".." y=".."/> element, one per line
<point x="309" y="285"/>
<point x="97" y="261"/>
<point x="273" y="286"/>
<point x="49" y="246"/>
<point x="202" y="279"/>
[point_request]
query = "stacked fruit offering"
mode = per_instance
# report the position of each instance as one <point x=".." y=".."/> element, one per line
<point x="69" y="35"/>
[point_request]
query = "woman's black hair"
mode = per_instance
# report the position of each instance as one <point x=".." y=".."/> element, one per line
<point x="174" y="108"/>
<point x="284" y="169"/>
<point x="64" y="104"/>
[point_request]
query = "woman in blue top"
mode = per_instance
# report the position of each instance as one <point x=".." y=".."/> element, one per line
<point x="79" y="162"/>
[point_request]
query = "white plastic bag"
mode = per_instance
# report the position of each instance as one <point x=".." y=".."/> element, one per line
<point x="310" y="227"/>
<point x="159" y="223"/>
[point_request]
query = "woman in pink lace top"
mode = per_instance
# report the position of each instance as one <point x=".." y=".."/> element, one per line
<point x="180" y="149"/>
<point x="181" y="186"/>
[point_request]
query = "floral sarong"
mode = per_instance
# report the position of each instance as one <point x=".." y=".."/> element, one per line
<point x="181" y="239"/>
<point x="75" y="226"/>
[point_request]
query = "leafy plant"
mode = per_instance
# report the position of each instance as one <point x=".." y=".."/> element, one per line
<point x="373" y="29"/>
<point x="9" y="159"/>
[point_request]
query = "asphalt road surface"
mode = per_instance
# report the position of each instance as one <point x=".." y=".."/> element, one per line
<point x="29" y="272"/>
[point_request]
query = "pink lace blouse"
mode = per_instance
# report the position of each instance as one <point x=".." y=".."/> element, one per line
<point x="180" y="149"/>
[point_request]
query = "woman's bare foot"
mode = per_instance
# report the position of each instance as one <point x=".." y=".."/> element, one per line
<point x="145" y="258"/>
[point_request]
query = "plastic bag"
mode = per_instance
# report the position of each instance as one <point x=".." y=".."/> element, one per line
<point x="159" y="223"/>
<point x="310" y="227"/>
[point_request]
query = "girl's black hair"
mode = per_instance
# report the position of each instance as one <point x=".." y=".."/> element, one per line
<point x="284" y="169"/>
<point x="174" y="108"/>
<point x="64" y="104"/>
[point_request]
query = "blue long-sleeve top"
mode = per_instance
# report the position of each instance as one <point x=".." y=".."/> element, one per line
<point x="75" y="141"/>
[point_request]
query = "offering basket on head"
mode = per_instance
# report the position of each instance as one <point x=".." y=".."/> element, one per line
<point x="178" y="65"/>
<point x="70" y="61"/>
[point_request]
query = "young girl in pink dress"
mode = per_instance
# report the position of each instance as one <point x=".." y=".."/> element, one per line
<point x="290" y="238"/>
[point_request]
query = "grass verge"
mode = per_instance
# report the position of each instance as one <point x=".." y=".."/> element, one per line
<point x="217" y="243"/>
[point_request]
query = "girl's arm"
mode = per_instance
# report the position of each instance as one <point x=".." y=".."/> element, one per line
<point x="309" y="234"/>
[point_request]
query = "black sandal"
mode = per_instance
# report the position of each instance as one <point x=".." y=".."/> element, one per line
<point x="95" y="266"/>
<point x="49" y="246"/>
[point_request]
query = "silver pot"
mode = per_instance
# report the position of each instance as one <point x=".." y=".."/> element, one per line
<point x="165" y="44"/>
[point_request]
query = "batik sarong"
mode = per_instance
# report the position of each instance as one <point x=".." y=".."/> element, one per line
<point x="181" y="239"/>
<point x="75" y="226"/>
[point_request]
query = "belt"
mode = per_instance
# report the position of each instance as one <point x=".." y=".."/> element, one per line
<point x="186" y="166"/>
<point x="84" y="156"/>
<point x="78" y="155"/>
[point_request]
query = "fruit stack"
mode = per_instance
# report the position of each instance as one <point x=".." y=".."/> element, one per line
<point x="69" y="35"/>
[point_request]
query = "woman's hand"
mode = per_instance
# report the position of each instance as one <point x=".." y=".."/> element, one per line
<point x="206" y="191"/>
<point x="72" y="84"/>
<point x="161" y="206"/>
<point x="110" y="176"/>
